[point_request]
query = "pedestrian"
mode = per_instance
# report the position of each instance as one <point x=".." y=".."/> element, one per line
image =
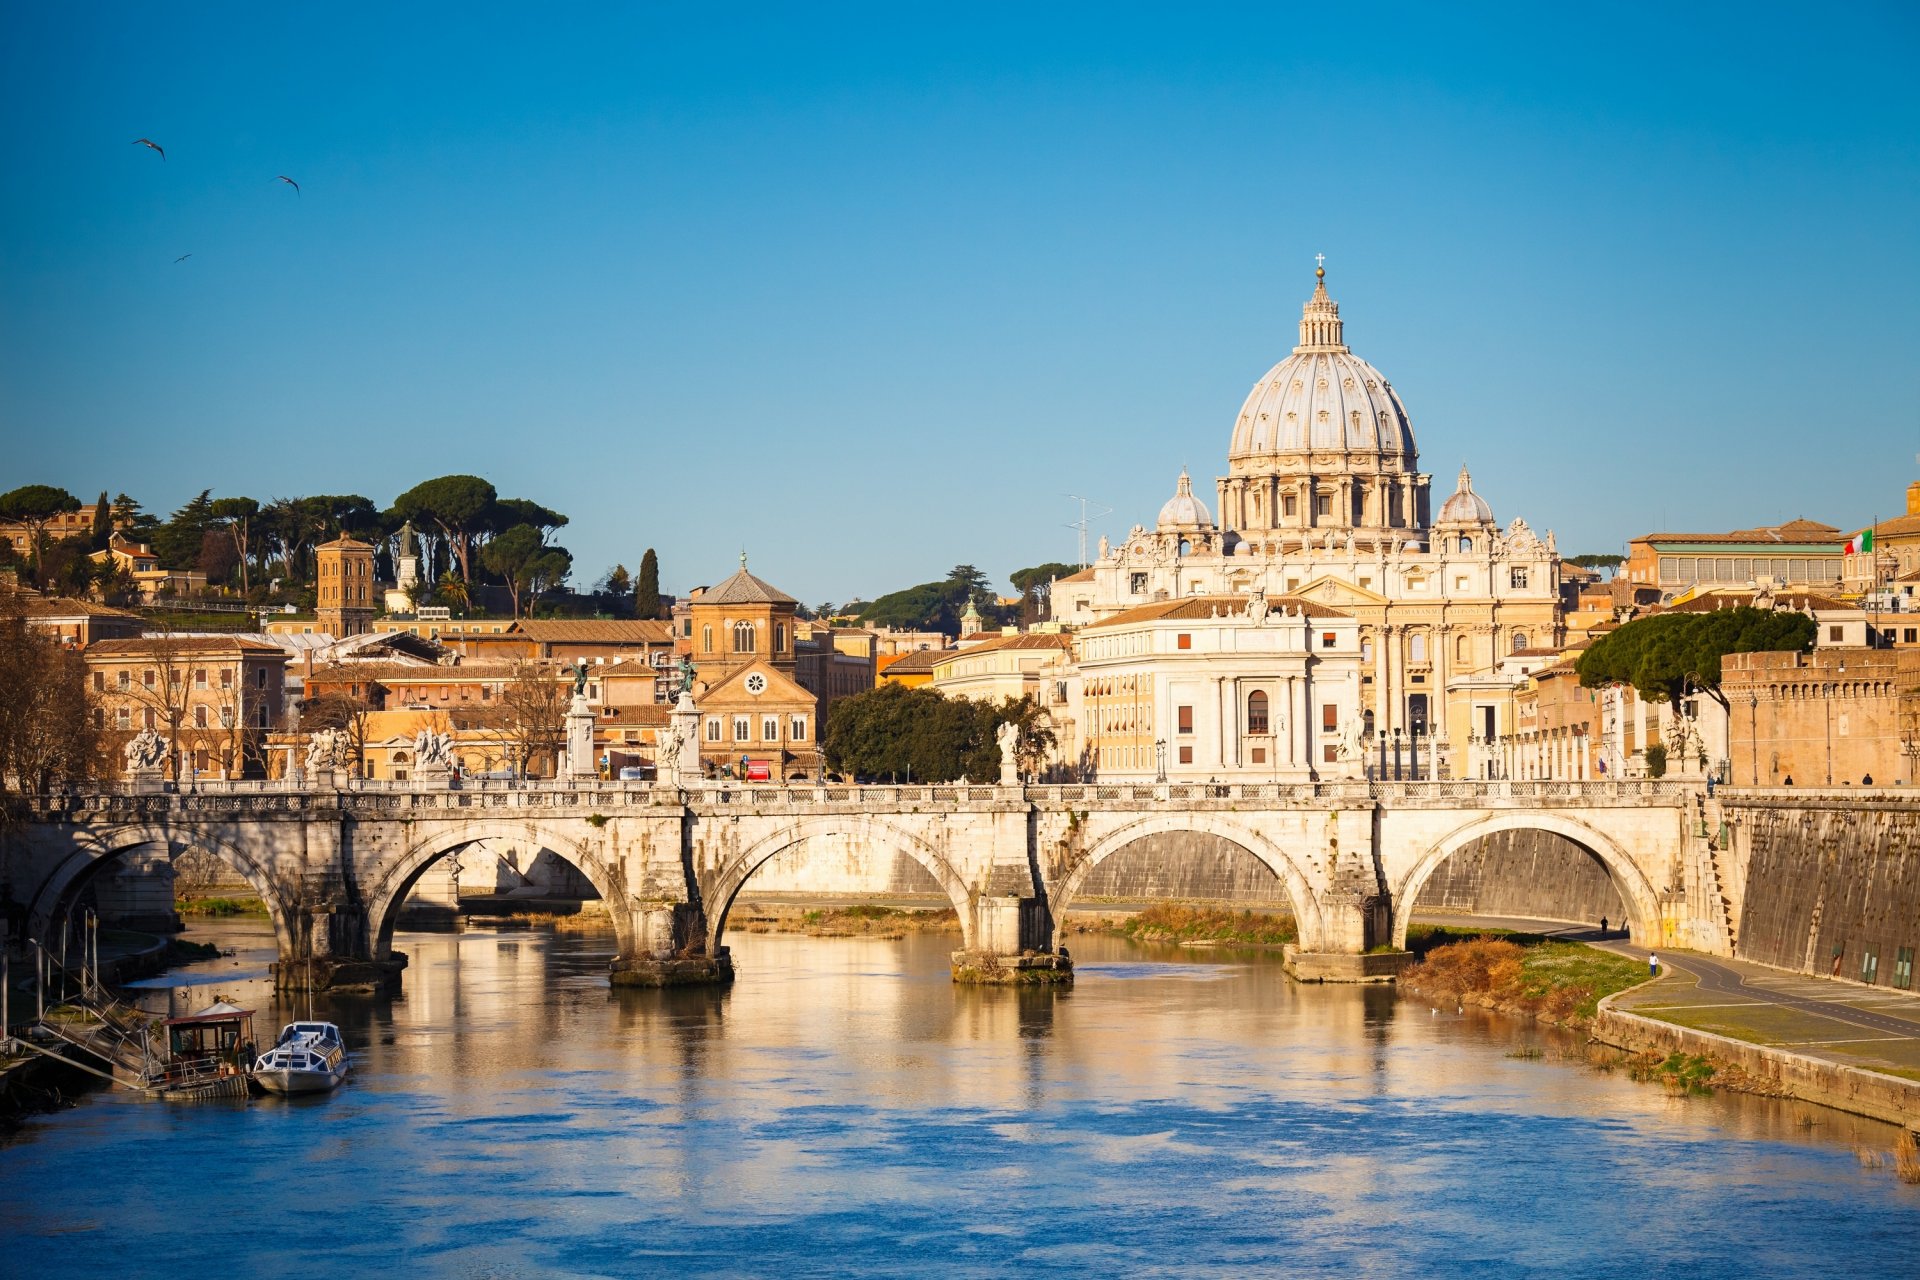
<point x="1653" y="965"/>
<point x="1789" y="781"/>
<point x="1867" y="781"/>
<point x="1603" y="926"/>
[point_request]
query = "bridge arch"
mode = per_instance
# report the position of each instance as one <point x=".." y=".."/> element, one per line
<point x="388" y="891"/>
<point x="737" y="868"/>
<point x="1636" y="890"/>
<point x="54" y="897"/>
<point x="1306" y="904"/>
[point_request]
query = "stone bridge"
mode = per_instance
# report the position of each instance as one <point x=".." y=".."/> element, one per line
<point x="334" y="866"/>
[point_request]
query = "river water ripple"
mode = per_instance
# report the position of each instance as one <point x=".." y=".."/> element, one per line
<point x="845" y="1110"/>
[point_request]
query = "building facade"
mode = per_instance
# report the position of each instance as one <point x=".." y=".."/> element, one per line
<point x="345" y="596"/>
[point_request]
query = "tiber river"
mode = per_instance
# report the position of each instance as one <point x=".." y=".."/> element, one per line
<point x="845" y="1110"/>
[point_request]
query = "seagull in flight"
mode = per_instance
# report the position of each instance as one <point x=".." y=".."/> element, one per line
<point x="148" y="142"/>
<point x="290" y="182"/>
<point x="182" y="258"/>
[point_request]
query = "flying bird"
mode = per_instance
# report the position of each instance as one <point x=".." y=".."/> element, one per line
<point x="290" y="182"/>
<point x="182" y="258"/>
<point x="148" y="142"/>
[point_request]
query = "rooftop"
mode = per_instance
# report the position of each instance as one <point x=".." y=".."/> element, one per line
<point x="1202" y="608"/>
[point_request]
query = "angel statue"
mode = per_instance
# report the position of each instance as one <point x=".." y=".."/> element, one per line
<point x="144" y="750"/>
<point x="1008" y="736"/>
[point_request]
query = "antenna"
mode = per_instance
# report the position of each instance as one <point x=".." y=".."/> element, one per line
<point x="1089" y="512"/>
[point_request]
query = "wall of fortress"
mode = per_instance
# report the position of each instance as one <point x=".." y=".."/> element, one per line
<point x="1530" y="874"/>
<point x="1829" y="882"/>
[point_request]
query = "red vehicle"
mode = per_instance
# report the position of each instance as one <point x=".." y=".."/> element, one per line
<point x="757" y="770"/>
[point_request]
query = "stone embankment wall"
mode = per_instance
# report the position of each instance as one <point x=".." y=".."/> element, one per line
<point x="843" y="866"/>
<point x="1830" y="884"/>
<point x="1532" y="874"/>
<point x="1185" y="866"/>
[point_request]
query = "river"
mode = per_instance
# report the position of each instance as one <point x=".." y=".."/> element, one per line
<point x="845" y="1110"/>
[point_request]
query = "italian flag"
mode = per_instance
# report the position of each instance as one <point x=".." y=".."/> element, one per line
<point x="1860" y="542"/>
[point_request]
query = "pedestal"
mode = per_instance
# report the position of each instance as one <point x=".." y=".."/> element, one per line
<point x="1011" y="937"/>
<point x="147" y="782"/>
<point x="668" y="949"/>
<point x="580" y="762"/>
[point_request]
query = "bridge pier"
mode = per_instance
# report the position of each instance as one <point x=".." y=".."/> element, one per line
<point x="1012" y="938"/>
<point x="669" y="949"/>
<point x="332" y="951"/>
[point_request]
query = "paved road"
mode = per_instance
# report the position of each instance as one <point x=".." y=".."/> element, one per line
<point x="1717" y="976"/>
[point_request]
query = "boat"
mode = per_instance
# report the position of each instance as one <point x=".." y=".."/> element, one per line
<point x="207" y="1055"/>
<point x="309" y="1057"/>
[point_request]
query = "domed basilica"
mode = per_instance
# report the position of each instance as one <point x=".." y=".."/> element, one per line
<point x="1323" y="513"/>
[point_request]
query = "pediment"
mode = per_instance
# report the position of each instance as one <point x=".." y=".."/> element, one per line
<point x="1337" y="593"/>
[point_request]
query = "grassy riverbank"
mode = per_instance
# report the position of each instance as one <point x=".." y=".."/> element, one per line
<point x="219" y="908"/>
<point x="1556" y="982"/>
<point x="860" y="920"/>
<point x="1198" y="926"/>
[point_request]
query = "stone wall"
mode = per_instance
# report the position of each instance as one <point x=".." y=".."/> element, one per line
<point x="842" y="866"/>
<point x="1532" y="874"/>
<point x="1830" y="884"/>
<point x="1185" y="867"/>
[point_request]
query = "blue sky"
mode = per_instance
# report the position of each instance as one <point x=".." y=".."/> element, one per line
<point x="869" y="289"/>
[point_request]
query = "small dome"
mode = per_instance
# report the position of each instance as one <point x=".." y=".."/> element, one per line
<point x="1183" y="510"/>
<point x="1465" y="506"/>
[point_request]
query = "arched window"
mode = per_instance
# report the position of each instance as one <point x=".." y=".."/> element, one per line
<point x="1460" y="650"/>
<point x="1466" y="543"/>
<point x="1417" y="647"/>
<point x="1519" y="641"/>
<point x="743" y="637"/>
<point x="1257" y="712"/>
<point x="706" y="639"/>
<point x="779" y="637"/>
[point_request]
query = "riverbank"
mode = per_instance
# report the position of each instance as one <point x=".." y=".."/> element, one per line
<point x="858" y="920"/>
<point x="1192" y="926"/>
<point x="1527" y="975"/>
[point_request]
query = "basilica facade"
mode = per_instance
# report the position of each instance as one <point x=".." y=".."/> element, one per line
<point x="1429" y="619"/>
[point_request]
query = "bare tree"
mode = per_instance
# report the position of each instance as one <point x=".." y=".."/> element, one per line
<point x="161" y="689"/>
<point x="48" y="730"/>
<point x="529" y="722"/>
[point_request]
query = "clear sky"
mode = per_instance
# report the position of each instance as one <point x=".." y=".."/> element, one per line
<point x="869" y="289"/>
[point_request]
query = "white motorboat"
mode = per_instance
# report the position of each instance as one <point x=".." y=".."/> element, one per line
<point x="309" y="1057"/>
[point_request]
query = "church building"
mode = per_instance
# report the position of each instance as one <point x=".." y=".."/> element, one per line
<point x="1324" y="504"/>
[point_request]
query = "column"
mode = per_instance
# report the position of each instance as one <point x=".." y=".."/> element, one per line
<point x="1382" y="704"/>
<point x="1309" y="727"/>
<point x="1289" y="702"/>
<point x="1397" y="671"/>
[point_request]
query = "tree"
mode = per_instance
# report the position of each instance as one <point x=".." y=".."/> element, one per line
<point x="1035" y="586"/>
<point x="34" y="505"/>
<point x="646" y="589"/>
<point x="529" y="721"/>
<point x="526" y="564"/>
<point x="163" y="689"/>
<point x="459" y="506"/>
<point x="1662" y="656"/>
<point x="931" y="606"/>
<point x="508" y="512"/>
<point x="1598" y="562"/>
<point x="965" y="575"/>
<point x="178" y="541"/>
<point x="102" y="524"/>
<point x="897" y="732"/>
<point x="237" y="515"/>
<point x="614" y="585"/>
<point x="47" y="730"/>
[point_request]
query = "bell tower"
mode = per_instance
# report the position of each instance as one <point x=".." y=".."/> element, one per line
<point x="344" y="595"/>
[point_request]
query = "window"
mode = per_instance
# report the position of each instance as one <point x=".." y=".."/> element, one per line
<point x="1460" y="649"/>
<point x="706" y="639"/>
<point x="779" y="637"/>
<point x="260" y="678"/>
<point x="1329" y="716"/>
<point x="1257" y="712"/>
<point x="1290" y="505"/>
<point x="1183" y="641"/>
<point x="1903" y="969"/>
<point x="99" y="682"/>
<point x="1186" y="719"/>
<point x="200" y="717"/>
<point x="743" y="637"/>
<point x="226" y="677"/>
<point x="1329" y="754"/>
<point x="1519" y="641"/>
<point x="148" y="717"/>
<point x="1259" y="755"/>
<point x="1323" y="504"/>
<point x="123" y="718"/>
<point x="126" y="681"/>
<point x="797" y="728"/>
<point x="260" y="717"/>
<point x="226" y="717"/>
<point x="769" y="728"/>
<point x="199" y="677"/>
<point x="1466" y="544"/>
<point x="713" y="728"/>
<point x="1910" y="635"/>
<point x="1835" y="634"/>
<point x="1869" y="966"/>
<point x="1328" y="640"/>
<point x="1417" y="647"/>
<point x="1517" y="579"/>
<point x="742" y="728"/>
<point x="1138" y="582"/>
<point x="1186" y="755"/>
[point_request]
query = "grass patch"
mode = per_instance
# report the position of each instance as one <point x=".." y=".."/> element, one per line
<point x="870" y="920"/>
<point x="180" y="951"/>
<point x="221" y="907"/>
<point x="1558" y="982"/>
<point x="1679" y="1071"/>
<point x="1172" y="922"/>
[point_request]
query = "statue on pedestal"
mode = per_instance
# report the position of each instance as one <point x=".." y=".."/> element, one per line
<point x="326" y="750"/>
<point x="145" y="751"/>
<point x="1008" y="738"/>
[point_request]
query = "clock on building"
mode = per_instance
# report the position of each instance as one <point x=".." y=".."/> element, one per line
<point x="756" y="684"/>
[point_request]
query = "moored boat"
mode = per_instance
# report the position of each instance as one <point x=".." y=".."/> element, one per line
<point x="309" y="1057"/>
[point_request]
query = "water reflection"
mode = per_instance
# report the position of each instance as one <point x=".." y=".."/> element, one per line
<point x="844" y="1108"/>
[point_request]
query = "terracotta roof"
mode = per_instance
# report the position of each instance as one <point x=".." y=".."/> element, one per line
<point x="920" y="660"/>
<point x="32" y="604"/>
<point x="1892" y="525"/>
<point x="408" y="673"/>
<point x="1085" y="575"/>
<point x="1025" y="640"/>
<point x="1712" y="601"/>
<point x="744" y="588"/>
<point x="1204" y="608"/>
<point x="1791" y="531"/>
<point x="157" y="646"/>
<point x="1533" y="653"/>
<point x="345" y="542"/>
<point x="638" y="716"/>
<point x="594" y="630"/>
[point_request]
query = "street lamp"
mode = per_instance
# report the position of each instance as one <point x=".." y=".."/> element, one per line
<point x="1159" y="759"/>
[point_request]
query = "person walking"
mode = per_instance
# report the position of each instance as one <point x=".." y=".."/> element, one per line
<point x="1653" y="965"/>
<point x="1603" y="926"/>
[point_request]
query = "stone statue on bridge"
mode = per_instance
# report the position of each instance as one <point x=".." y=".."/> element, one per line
<point x="432" y="751"/>
<point x="1353" y="739"/>
<point x="145" y="751"/>
<point x="1008" y="736"/>
<point x="326" y="749"/>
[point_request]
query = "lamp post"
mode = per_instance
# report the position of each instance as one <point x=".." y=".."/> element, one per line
<point x="1159" y="759"/>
